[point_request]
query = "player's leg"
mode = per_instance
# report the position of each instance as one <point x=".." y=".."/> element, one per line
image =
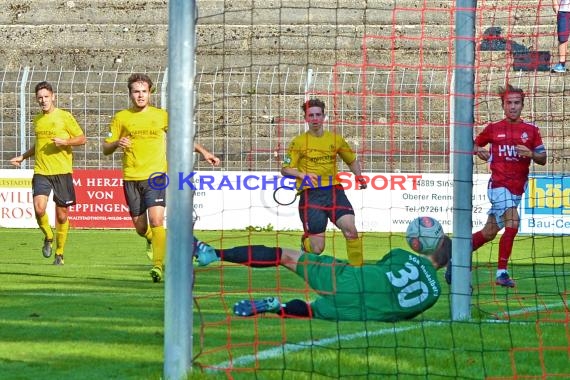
<point x="313" y="242"/>
<point x="505" y="215"/>
<point x="563" y="30"/>
<point x="296" y="308"/>
<point x="354" y="249"/>
<point x="255" y="256"/>
<point x="562" y="50"/>
<point x="289" y="258"/>
<point x="313" y="215"/>
<point x="140" y="197"/>
<point x="342" y="215"/>
<point x="63" y="196"/>
<point x="293" y="308"/>
<point x="249" y="307"/>
<point x="40" y="205"/>
<point x="141" y="224"/>
<point x="148" y="237"/>
<point x="41" y="189"/>
<point x="486" y="234"/>
<point x="154" y="201"/>
<point x="61" y="230"/>
<point x="494" y="221"/>
<point x="156" y="221"/>
<point x="137" y="209"/>
<point x="481" y="237"/>
<point x="511" y="221"/>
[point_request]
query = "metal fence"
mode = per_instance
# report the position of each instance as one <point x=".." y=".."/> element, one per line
<point x="397" y="120"/>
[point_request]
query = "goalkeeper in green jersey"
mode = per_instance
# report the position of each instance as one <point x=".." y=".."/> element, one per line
<point x="399" y="286"/>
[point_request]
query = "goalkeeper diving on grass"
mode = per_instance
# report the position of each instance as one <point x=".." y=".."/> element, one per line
<point x="398" y="287"/>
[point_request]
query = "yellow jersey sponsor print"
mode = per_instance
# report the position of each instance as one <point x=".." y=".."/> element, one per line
<point x="318" y="155"/>
<point x="49" y="158"/>
<point x="147" y="132"/>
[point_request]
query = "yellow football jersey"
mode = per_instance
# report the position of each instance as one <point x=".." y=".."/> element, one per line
<point x="147" y="132"/>
<point x="50" y="159"/>
<point x="312" y="154"/>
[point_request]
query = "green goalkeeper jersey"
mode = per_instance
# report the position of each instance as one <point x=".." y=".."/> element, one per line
<point x="400" y="286"/>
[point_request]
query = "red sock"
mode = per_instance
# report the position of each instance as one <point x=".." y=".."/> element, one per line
<point x="506" y="247"/>
<point x="478" y="240"/>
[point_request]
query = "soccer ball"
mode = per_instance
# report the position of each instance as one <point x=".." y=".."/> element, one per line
<point x="424" y="235"/>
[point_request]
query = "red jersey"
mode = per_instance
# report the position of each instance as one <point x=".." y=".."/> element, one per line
<point x="508" y="169"/>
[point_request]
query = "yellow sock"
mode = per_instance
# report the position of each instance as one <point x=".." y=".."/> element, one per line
<point x="43" y="222"/>
<point x="354" y="252"/>
<point x="148" y="234"/>
<point x="61" y="231"/>
<point x="158" y="246"/>
<point x="307" y="245"/>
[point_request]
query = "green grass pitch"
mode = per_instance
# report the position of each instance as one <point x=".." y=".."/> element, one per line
<point x="101" y="317"/>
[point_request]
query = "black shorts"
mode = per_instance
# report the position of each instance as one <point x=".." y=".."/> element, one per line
<point x="140" y="196"/>
<point x="61" y="184"/>
<point x="317" y="206"/>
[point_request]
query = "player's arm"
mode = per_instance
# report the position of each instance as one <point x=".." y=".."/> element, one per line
<point x="110" y="147"/>
<point x="349" y="157"/>
<point x="16" y="161"/>
<point x="539" y="152"/>
<point x="481" y="152"/>
<point x="480" y="142"/>
<point x="208" y="156"/>
<point x="292" y="172"/>
<point x="77" y="137"/>
<point x="114" y="141"/>
<point x="289" y="168"/>
<point x="74" y="141"/>
<point x="355" y="168"/>
<point x="538" y="155"/>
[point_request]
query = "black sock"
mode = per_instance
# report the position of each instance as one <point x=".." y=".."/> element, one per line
<point x="296" y="308"/>
<point x="256" y="256"/>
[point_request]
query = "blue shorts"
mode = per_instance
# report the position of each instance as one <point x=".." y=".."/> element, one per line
<point x="501" y="199"/>
<point x="563" y="26"/>
<point x="317" y="206"/>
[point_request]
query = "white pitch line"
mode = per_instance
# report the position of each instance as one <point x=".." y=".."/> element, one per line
<point x="531" y="309"/>
<point x="294" y="347"/>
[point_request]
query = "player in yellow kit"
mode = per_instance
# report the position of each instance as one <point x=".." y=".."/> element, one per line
<point x="56" y="132"/>
<point x="141" y="132"/>
<point x="312" y="159"/>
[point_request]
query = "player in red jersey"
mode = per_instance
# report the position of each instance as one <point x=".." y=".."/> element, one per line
<point x="513" y="145"/>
